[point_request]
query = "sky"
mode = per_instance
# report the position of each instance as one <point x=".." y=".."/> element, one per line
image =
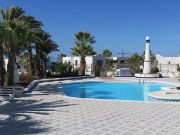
<point x="116" y="24"/>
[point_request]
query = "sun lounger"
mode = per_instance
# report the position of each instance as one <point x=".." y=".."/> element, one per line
<point x="15" y="90"/>
<point x="6" y="94"/>
<point x="172" y="91"/>
<point x="30" y="86"/>
<point x="172" y="88"/>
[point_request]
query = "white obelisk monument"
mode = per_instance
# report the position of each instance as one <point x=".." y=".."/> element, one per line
<point x="147" y="59"/>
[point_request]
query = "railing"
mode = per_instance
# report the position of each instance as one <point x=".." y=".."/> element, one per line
<point x="143" y="80"/>
<point x="57" y="86"/>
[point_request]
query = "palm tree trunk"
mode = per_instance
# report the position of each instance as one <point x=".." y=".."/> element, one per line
<point x="30" y="61"/>
<point x="9" y="79"/>
<point x="44" y="69"/>
<point x="2" y="72"/>
<point x="82" y="65"/>
<point x="38" y="74"/>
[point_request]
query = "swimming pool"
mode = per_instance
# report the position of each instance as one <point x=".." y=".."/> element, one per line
<point x="113" y="90"/>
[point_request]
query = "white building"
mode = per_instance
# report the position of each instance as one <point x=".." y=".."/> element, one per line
<point x="95" y="65"/>
<point x="92" y="62"/>
<point x="120" y="61"/>
<point x="74" y="60"/>
<point x="168" y="65"/>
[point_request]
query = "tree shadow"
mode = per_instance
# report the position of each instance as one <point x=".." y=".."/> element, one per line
<point x="15" y="116"/>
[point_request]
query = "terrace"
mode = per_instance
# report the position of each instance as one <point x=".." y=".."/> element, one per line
<point x="46" y="112"/>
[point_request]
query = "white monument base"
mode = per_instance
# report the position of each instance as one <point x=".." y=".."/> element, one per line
<point x="147" y="75"/>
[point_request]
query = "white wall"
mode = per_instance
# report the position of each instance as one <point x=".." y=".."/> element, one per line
<point x="72" y="60"/>
<point x="66" y="59"/>
<point x="167" y="65"/>
<point x="91" y="62"/>
<point x="5" y="63"/>
<point x="16" y="71"/>
<point x="166" y="60"/>
<point x="89" y="65"/>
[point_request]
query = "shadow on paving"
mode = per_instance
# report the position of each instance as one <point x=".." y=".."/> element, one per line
<point x="47" y="88"/>
<point x="15" y="116"/>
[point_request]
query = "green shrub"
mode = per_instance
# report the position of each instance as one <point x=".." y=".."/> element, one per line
<point x="62" y="68"/>
<point x="138" y="70"/>
<point x="178" y="68"/>
<point x="154" y="70"/>
<point x="26" y="78"/>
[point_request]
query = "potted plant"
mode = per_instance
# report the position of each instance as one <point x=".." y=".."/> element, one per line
<point x="112" y="66"/>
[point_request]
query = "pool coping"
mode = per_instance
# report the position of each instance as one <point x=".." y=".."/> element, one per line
<point x="117" y="100"/>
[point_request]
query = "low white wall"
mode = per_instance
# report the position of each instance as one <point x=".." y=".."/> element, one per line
<point x="147" y="75"/>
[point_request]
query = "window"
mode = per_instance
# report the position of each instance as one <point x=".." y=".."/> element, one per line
<point x="122" y="61"/>
<point x="76" y="62"/>
<point x="99" y="63"/>
<point x="147" y="41"/>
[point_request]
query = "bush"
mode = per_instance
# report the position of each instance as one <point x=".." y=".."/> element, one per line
<point x="138" y="70"/>
<point x="26" y="78"/>
<point x="154" y="70"/>
<point x="178" y="68"/>
<point x="64" y="70"/>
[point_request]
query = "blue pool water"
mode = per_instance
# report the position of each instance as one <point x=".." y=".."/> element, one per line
<point x="121" y="91"/>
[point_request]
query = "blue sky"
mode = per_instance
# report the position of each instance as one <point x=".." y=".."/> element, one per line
<point x="116" y="24"/>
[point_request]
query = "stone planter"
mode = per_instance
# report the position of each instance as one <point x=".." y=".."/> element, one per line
<point x="109" y="74"/>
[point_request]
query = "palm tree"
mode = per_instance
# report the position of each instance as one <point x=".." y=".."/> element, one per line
<point x="46" y="49"/>
<point x="13" y="46"/>
<point x="20" y="32"/>
<point x="31" y="36"/>
<point x="2" y="72"/>
<point x="43" y="48"/>
<point x="107" y="53"/>
<point x="83" y="47"/>
<point x="134" y="61"/>
<point x="60" y="57"/>
<point x="13" y="22"/>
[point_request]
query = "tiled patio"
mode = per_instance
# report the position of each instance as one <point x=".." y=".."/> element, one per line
<point x="46" y="112"/>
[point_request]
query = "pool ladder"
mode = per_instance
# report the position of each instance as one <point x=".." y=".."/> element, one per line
<point x="143" y="80"/>
<point x="57" y="86"/>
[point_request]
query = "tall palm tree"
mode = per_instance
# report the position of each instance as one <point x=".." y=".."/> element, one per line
<point x="31" y="36"/>
<point x="107" y="53"/>
<point x="46" y="49"/>
<point x="2" y="70"/>
<point x="43" y="48"/>
<point x="33" y="27"/>
<point x="19" y="33"/>
<point x="13" y="46"/>
<point x="83" y="47"/>
<point x="13" y="21"/>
